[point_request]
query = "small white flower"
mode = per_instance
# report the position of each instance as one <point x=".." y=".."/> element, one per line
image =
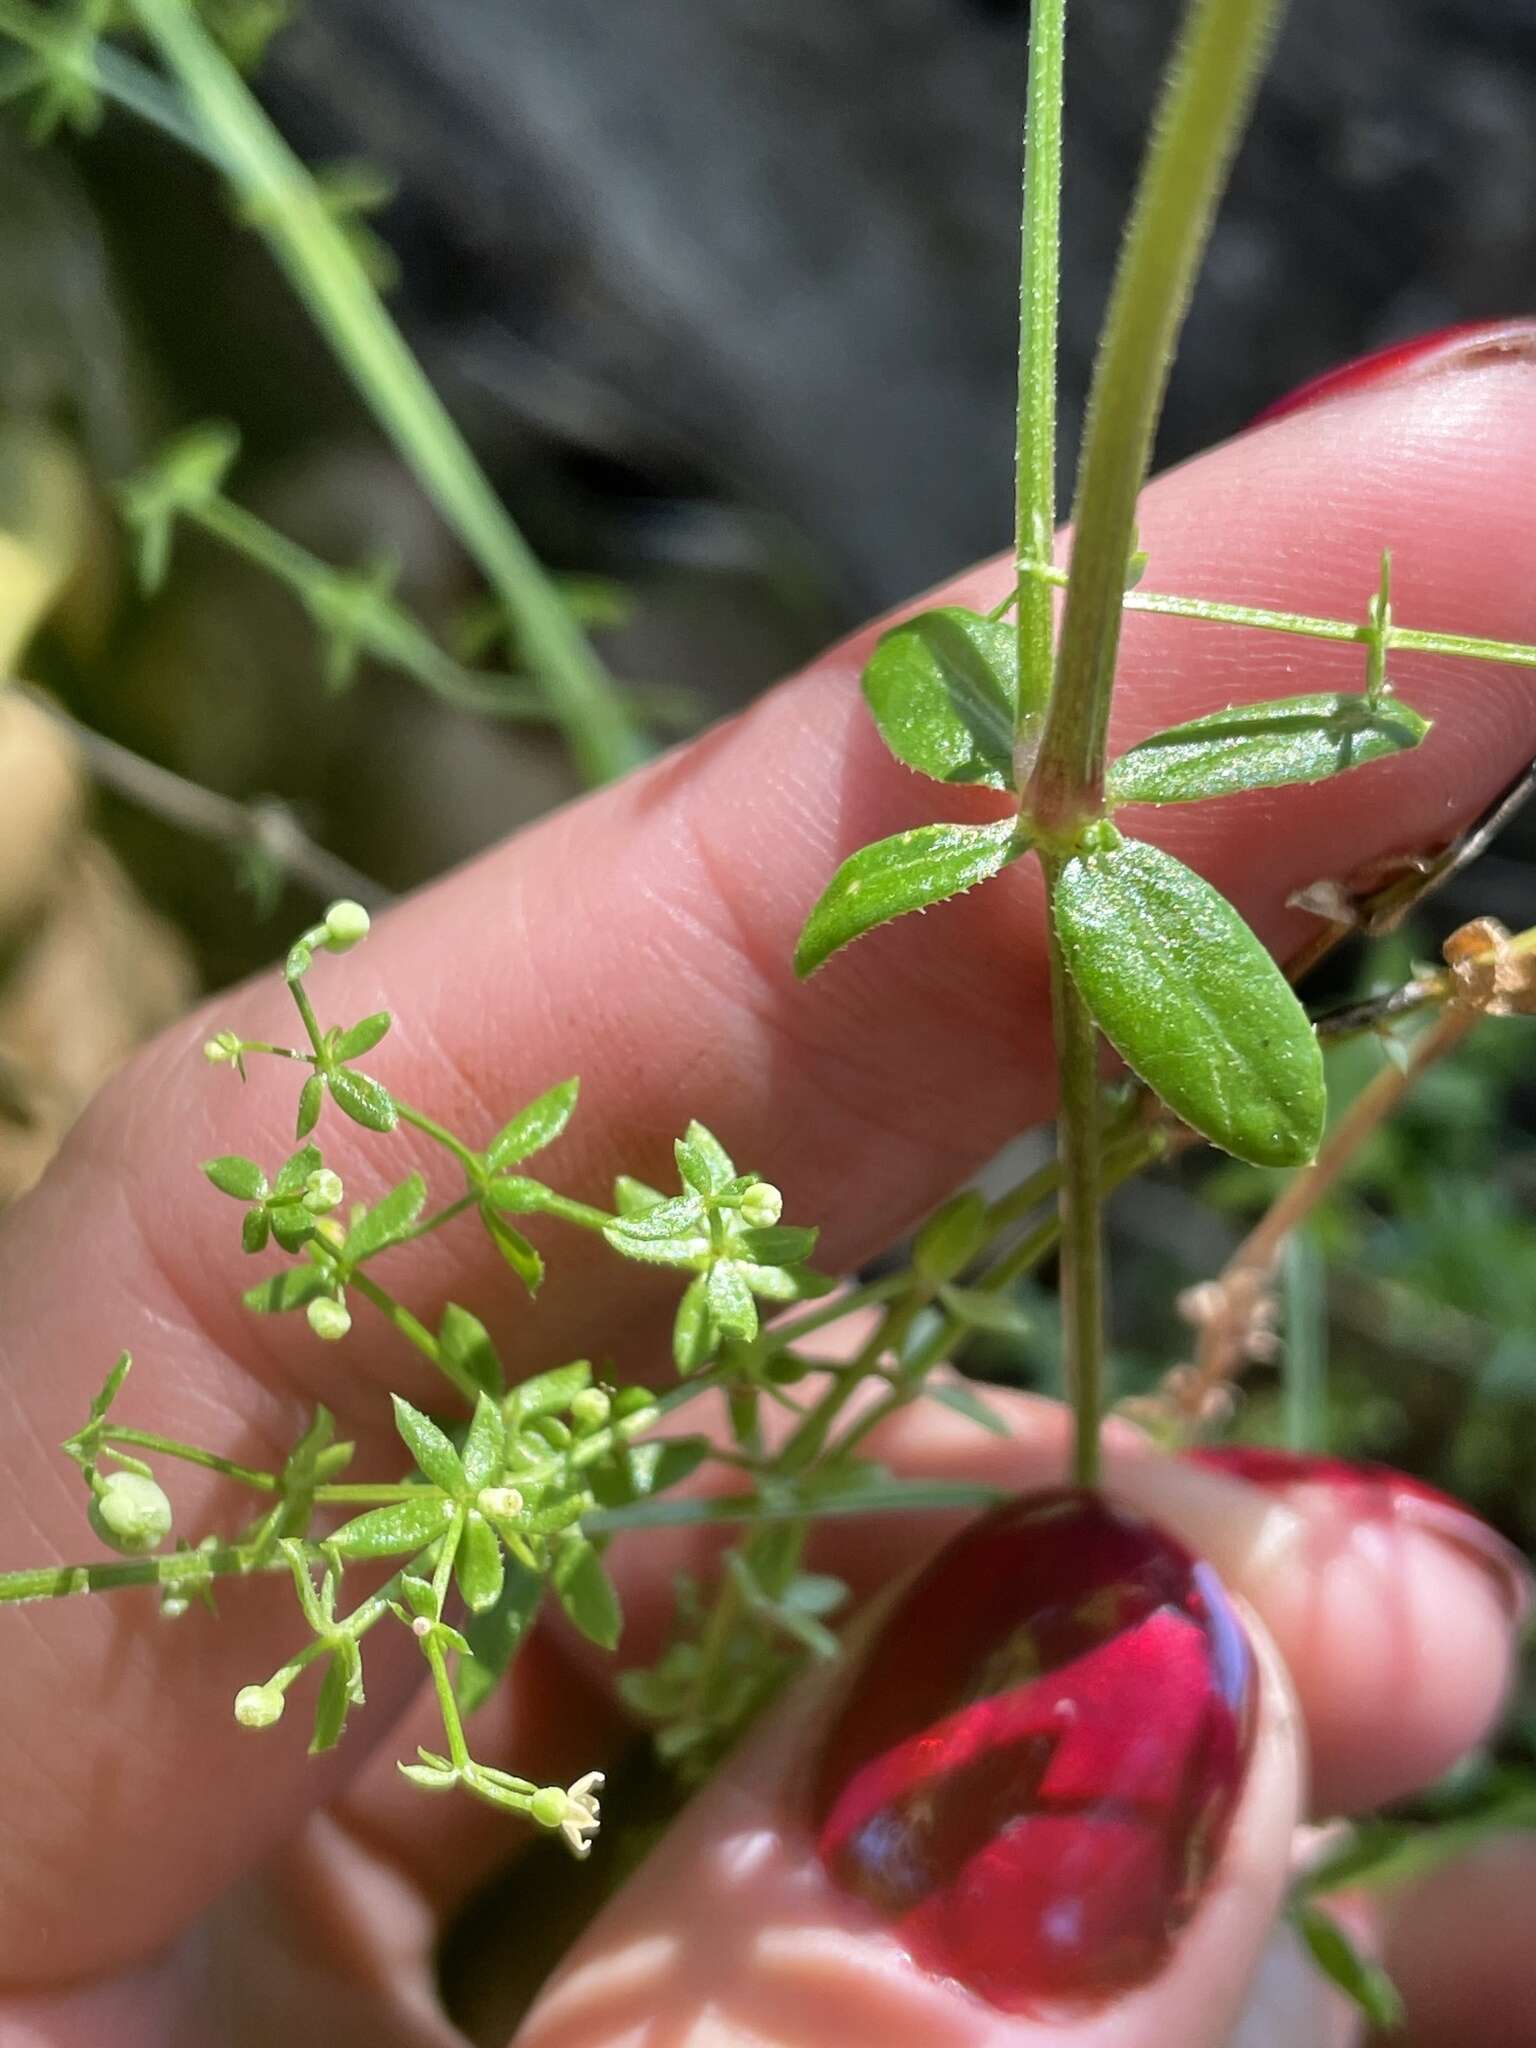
<point x="582" y="1816"/>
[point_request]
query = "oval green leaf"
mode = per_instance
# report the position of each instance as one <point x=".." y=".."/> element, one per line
<point x="908" y="872"/>
<point x="1186" y="994"/>
<point x="944" y="691"/>
<point x="1264" y="746"/>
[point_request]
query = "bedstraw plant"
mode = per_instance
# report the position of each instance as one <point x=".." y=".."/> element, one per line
<point x="506" y="1498"/>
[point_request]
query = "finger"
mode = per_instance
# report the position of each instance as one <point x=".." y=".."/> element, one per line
<point x="643" y="939"/>
<point x="1458" y="1947"/>
<point x="986" y="1833"/>
<point x="1395" y="1608"/>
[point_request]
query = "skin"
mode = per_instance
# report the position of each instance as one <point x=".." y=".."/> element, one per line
<point x="167" y="1878"/>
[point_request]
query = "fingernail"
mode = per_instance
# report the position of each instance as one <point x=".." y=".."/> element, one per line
<point x="1367" y="1492"/>
<point x="1034" y="1773"/>
<point x="1466" y="346"/>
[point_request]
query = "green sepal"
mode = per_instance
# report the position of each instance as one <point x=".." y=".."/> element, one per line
<point x="908" y="872"/>
<point x="943" y="688"/>
<point x="1264" y="746"/>
<point x="1191" y="1000"/>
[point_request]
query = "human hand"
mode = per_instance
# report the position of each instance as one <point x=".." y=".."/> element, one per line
<point x="643" y="938"/>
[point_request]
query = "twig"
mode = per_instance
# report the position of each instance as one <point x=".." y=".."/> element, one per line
<point x="263" y="826"/>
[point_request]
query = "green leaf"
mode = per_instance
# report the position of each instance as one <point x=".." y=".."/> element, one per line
<point x="632" y="1197"/>
<point x="1264" y="746"/>
<point x="435" y="1456"/>
<point x="963" y="1398"/>
<point x="730" y="1300"/>
<point x="951" y="1237"/>
<point x="909" y="872"/>
<point x="678" y="1216"/>
<point x="295" y="1171"/>
<point x="784" y="1283"/>
<point x="1190" y="999"/>
<point x="311" y="1095"/>
<point x="232" y="1175"/>
<point x="548" y="1393"/>
<point x="514" y="1248"/>
<point x="386" y="1222"/>
<point x="404" y="1525"/>
<point x="341" y="1688"/>
<point x="465" y="1343"/>
<point x="495" y="1636"/>
<point x="293" y="1289"/>
<point x="1356" y="1975"/>
<point x="291" y="1224"/>
<point x="695" y="1166"/>
<point x="586" y="1592"/>
<point x="695" y="1333"/>
<point x="534" y="1127"/>
<point x="484" y="1445"/>
<point x="778" y="1244"/>
<point x="718" y="1163"/>
<point x="254" y="1230"/>
<point x="944" y="691"/>
<point x="363" y="1037"/>
<point x="477" y="1566"/>
<point x="652" y="1467"/>
<point x="361" y="1098"/>
<point x="979" y="1308"/>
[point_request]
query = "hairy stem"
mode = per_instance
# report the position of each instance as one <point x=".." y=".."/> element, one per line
<point x="1039" y="296"/>
<point x="1204" y="106"/>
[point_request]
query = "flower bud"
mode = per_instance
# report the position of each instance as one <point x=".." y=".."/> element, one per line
<point x="328" y="1318"/>
<point x="500" y="1503"/>
<point x="322" y="1191"/>
<point x="130" y="1513"/>
<point x="221" y="1050"/>
<point x="258" y="1706"/>
<point x="762" y="1205"/>
<point x="590" y="1409"/>
<point x="346" y="924"/>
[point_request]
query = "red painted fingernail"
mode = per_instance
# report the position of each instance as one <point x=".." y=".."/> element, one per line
<point x="1034" y="1774"/>
<point x="1369" y="1492"/>
<point x="1462" y="347"/>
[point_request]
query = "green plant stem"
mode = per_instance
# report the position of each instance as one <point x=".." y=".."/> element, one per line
<point x="388" y="631"/>
<point x="1201" y="114"/>
<point x="1082" y="1231"/>
<point x="440" y="1135"/>
<point x="280" y="197"/>
<point x="1039" y="295"/>
<point x="189" y="1454"/>
<point x="414" y="1332"/>
<point x="1265" y="619"/>
<point x="176" y="1568"/>
<point x="447" y="1704"/>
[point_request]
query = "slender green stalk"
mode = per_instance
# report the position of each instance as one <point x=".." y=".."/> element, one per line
<point x="1305" y="1381"/>
<point x="1395" y="639"/>
<point x="1203" y="110"/>
<point x="1039" y="297"/>
<point x="384" y="628"/>
<point x="56" y="1582"/>
<point x="281" y="199"/>
<point x="1082" y="1234"/>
